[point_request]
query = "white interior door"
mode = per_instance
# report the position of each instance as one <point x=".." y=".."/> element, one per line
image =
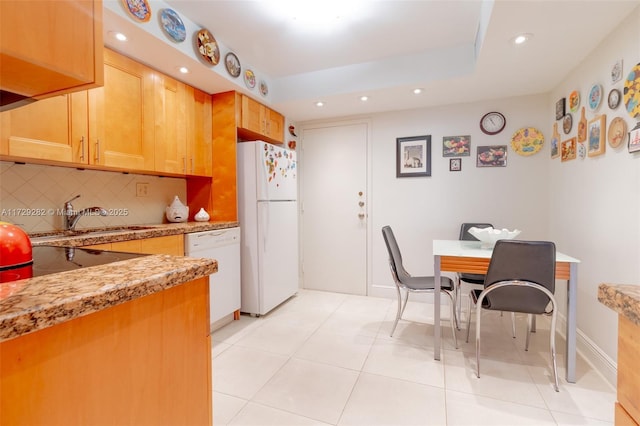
<point x="333" y="174"/>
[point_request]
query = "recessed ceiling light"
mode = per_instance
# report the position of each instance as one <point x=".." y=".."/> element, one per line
<point x="417" y="91"/>
<point x="364" y="98"/>
<point x="118" y="35"/>
<point x="319" y="104"/>
<point x="521" y="38"/>
<point x="184" y="70"/>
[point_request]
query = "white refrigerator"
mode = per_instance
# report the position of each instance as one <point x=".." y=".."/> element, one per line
<point x="268" y="215"/>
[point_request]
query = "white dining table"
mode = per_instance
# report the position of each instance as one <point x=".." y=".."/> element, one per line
<point x="470" y="257"/>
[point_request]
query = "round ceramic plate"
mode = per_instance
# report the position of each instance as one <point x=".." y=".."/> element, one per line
<point x="249" y="79"/>
<point x="574" y="101"/>
<point x="139" y="9"/>
<point x="527" y="141"/>
<point x="173" y="25"/>
<point x="631" y="94"/>
<point x="567" y="123"/>
<point x="614" y="98"/>
<point x="232" y="64"/>
<point x="595" y="96"/>
<point x="617" y="132"/>
<point x="264" y="89"/>
<point x="207" y="47"/>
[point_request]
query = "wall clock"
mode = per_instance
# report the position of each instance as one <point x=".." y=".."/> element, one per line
<point x="567" y="123"/>
<point x="492" y="123"/>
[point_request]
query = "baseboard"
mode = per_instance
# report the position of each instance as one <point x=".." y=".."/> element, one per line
<point x="587" y="349"/>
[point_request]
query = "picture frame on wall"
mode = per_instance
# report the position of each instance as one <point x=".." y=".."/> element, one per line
<point x="569" y="150"/>
<point x="455" y="164"/>
<point x="456" y="146"/>
<point x="413" y="156"/>
<point x="634" y="139"/>
<point x="491" y="156"/>
<point x="560" y="111"/>
<point x="596" y="138"/>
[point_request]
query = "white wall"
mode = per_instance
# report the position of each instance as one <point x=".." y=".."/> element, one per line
<point x="595" y="202"/>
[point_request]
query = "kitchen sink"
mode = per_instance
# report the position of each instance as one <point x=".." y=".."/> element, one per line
<point x="88" y="231"/>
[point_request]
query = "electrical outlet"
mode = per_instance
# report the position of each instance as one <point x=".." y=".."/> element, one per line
<point x="142" y="189"/>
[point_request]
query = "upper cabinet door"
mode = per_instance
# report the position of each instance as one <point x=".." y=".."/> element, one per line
<point x="54" y="129"/>
<point x="199" y="132"/>
<point x="170" y="125"/>
<point x="50" y="47"/>
<point x="121" y="115"/>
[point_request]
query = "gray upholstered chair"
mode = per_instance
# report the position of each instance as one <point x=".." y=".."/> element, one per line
<point x="474" y="279"/>
<point x="408" y="283"/>
<point x="520" y="278"/>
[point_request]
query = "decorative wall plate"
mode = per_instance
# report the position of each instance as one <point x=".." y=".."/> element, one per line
<point x="232" y="64"/>
<point x="582" y="150"/>
<point x="249" y="79"/>
<point x="574" y="101"/>
<point x="617" y="132"/>
<point x="567" y="123"/>
<point x="138" y="9"/>
<point x="527" y="141"/>
<point x="264" y="89"/>
<point x="631" y="93"/>
<point x="595" y="97"/>
<point x="614" y="98"/>
<point x="207" y="47"/>
<point x="172" y="25"/>
<point x="616" y="72"/>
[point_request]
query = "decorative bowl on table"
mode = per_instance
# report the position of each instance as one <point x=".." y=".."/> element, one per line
<point x="488" y="236"/>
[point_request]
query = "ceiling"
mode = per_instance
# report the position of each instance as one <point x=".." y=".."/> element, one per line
<point x="455" y="50"/>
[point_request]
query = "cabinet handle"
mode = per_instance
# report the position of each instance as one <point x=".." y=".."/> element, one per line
<point x="184" y="166"/>
<point x="192" y="165"/>
<point x="82" y="148"/>
<point x="97" y="157"/>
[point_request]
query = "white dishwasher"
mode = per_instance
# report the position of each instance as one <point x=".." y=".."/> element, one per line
<point x="222" y="245"/>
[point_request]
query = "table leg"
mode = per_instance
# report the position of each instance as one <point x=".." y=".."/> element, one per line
<point x="436" y="308"/>
<point x="572" y="296"/>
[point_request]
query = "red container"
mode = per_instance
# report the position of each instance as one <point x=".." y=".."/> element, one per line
<point x="16" y="253"/>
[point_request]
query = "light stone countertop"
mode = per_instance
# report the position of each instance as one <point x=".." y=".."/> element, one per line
<point x="622" y="298"/>
<point x="154" y="230"/>
<point x="35" y="303"/>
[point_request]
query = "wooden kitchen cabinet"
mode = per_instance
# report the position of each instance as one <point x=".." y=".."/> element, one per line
<point x="50" y="47"/>
<point x="170" y="125"/>
<point x="199" y="132"/>
<point x="51" y="130"/>
<point x="143" y="362"/>
<point x="257" y="121"/>
<point x="170" y="244"/>
<point x="121" y="116"/>
<point x="628" y="405"/>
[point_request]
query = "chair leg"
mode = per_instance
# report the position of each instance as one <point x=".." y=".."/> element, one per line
<point x="453" y="318"/>
<point x="552" y="344"/>
<point x="513" y="324"/>
<point x="399" y="311"/>
<point x="533" y="324"/>
<point x="529" y="321"/>
<point x="470" y="302"/>
<point x="478" y="315"/>
<point x="458" y="302"/>
<point x="406" y="299"/>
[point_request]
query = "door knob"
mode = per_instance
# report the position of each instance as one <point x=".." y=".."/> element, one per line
<point x="361" y="215"/>
<point x="361" y="203"/>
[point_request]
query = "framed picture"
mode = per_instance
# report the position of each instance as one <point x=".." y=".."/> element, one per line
<point x="413" y="156"/>
<point x="634" y="139"/>
<point x="455" y="164"/>
<point x="569" y="149"/>
<point x="456" y="146"/>
<point x="492" y="156"/>
<point x="560" y="109"/>
<point x="596" y="138"/>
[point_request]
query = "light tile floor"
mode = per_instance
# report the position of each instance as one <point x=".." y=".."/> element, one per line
<point x="327" y="359"/>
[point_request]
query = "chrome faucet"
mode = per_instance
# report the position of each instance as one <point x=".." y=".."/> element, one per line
<point x="71" y="217"/>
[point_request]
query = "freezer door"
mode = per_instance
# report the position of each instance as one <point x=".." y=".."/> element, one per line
<point x="278" y="242"/>
<point x="277" y="172"/>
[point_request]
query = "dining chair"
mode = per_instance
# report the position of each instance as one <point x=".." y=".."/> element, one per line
<point x="410" y="284"/>
<point x="473" y="279"/>
<point x="520" y="278"/>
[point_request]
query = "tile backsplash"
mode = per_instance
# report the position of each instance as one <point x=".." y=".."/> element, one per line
<point x="33" y="196"/>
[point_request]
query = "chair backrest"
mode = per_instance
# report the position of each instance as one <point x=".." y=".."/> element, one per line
<point x="395" y="257"/>
<point x="533" y="261"/>
<point x="464" y="230"/>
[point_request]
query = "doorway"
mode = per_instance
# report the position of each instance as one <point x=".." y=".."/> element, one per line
<point x="334" y="208"/>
